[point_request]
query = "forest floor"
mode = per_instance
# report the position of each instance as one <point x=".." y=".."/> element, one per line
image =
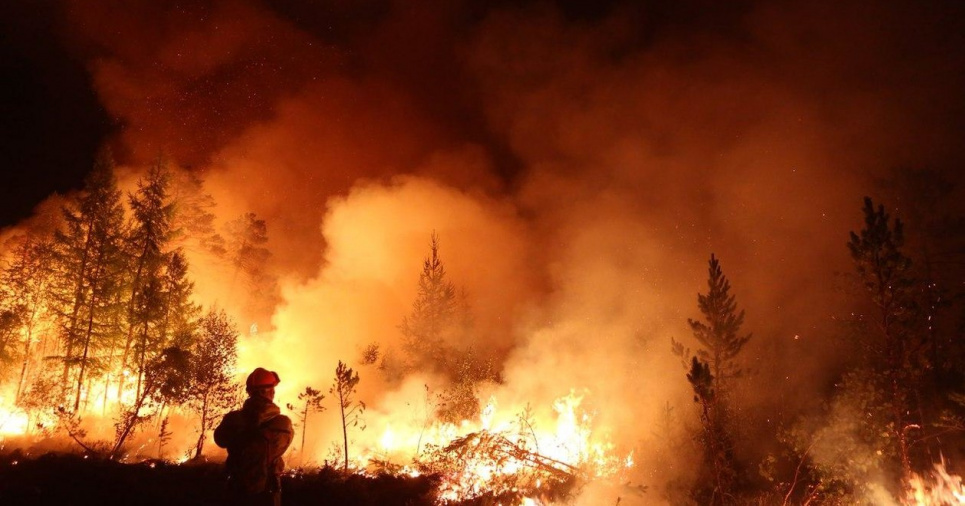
<point x="69" y="479"/>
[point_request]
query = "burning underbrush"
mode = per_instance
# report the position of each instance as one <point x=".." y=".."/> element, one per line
<point x="522" y="460"/>
<point x="936" y="488"/>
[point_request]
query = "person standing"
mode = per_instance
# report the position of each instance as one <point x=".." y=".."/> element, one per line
<point x="256" y="436"/>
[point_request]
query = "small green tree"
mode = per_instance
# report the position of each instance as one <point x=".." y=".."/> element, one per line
<point x="166" y="380"/>
<point x="212" y="391"/>
<point x="351" y="410"/>
<point x="311" y="403"/>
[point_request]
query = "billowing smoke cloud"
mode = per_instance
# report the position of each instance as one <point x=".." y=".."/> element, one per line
<point x="579" y="170"/>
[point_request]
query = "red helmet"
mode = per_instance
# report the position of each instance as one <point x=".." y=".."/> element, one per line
<point x="262" y="378"/>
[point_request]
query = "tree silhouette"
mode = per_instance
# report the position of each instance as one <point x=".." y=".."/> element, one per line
<point x="88" y="256"/>
<point x="350" y="410"/>
<point x="249" y="257"/>
<point x="212" y="390"/>
<point x="710" y="371"/>
<point x="433" y="313"/>
<point x="719" y="333"/>
<point x="885" y="274"/>
<point x="311" y="402"/>
<point x="147" y="244"/>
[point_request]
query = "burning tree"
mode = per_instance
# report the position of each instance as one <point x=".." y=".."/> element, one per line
<point x="88" y="255"/>
<point x="146" y="245"/>
<point x="25" y="283"/>
<point x="350" y="410"/>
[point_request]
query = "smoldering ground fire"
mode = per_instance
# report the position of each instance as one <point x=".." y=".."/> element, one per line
<point x="578" y="166"/>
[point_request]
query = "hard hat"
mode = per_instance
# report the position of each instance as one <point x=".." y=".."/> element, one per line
<point x="262" y="378"/>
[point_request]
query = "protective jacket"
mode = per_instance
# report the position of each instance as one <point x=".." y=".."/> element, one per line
<point x="256" y="437"/>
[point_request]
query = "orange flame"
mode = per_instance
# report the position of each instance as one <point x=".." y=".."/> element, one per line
<point x="939" y="488"/>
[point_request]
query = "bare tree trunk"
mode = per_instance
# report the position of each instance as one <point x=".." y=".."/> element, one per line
<point x="26" y="356"/>
<point x="341" y="405"/>
<point x="204" y="424"/>
<point x="83" y="361"/>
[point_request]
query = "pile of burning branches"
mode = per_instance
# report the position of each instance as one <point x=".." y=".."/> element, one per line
<point x="487" y="463"/>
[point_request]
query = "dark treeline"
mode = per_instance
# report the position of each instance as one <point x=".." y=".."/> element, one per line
<point x="895" y="409"/>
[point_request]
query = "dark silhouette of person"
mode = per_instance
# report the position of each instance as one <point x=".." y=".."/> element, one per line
<point x="256" y="436"/>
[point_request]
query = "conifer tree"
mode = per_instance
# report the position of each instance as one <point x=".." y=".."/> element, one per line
<point x="180" y="313"/>
<point x="147" y="245"/>
<point x="719" y="333"/>
<point x="433" y="313"/>
<point x="900" y="348"/>
<point x="192" y="223"/>
<point x="710" y="371"/>
<point x="346" y="380"/>
<point x="88" y="257"/>
<point x="311" y="400"/>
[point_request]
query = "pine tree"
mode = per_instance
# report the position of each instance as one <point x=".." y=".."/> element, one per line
<point x="711" y="371"/>
<point x="885" y="273"/>
<point x="192" y="223"/>
<point x="147" y="245"/>
<point x="433" y="314"/>
<point x="88" y="257"/>
<point x="719" y="335"/>
<point x="180" y="313"/>
<point x="350" y="410"/>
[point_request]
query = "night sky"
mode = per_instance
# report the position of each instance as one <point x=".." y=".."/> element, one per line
<point x="53" y="117"/>
<point x="50" y="120"/>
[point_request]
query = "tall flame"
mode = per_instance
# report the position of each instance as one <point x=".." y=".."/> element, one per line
<point x="939" y="488"/>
